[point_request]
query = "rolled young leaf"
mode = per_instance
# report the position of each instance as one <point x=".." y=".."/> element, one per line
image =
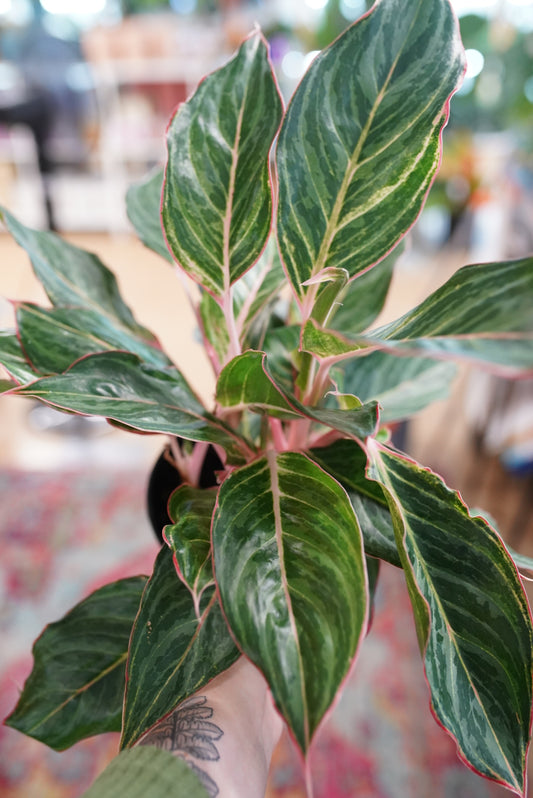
<point x="173" y="653"/>
<point x="359" y="145"/>
<point x="76" y="687"/>
<point x="118" y="386"/>
<point x="217" y="204"/>
<point x="471" y="614"/>
<point x="290" y="569"/>
<point x="143" y="201"/>
<point x="363" y="298"/>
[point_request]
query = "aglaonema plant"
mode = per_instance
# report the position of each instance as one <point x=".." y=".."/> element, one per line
<point x="280" y="560"/>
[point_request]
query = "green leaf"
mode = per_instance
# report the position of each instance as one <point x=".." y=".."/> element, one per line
<point x="72" y="276"/>
<point x="6" y="385"/>
<point x="372" y="569"/>
<point x="332" y="282"/>
<point x="189" y="537"/>
<point x="363" y="298"/>
<point x="281" y="346"/>
<point x="54" y="339"/>
<point x="401" y="385"/>
<point x="483" y="313"/>
<point x="325" y="344"/>
<point x="522" y="562"/>
<point x="290" y="570"/>
<point x="146" y="772"/>
<point x="246" y="381"/>
<point x="346" y="461"/>
<point x="256" y="293"/>
<point x="13" y="358"/>
<point x="118" y="386"/>
<point x="358" y="423"/>
<point x="217" y="204"/>
<point x="376" y="525"/>
<point x="76" y="687"/>
<point x="143" y="201"/>
<point x="472" y="618"/>
<point x="173" y="653"/>
<point x="214" y="327"/>
<point x="359" y="145"/>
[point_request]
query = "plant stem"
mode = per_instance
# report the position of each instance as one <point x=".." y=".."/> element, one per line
<point x="196" y="461"/>
<point x="299" y="431"/>
<point x="180" y="461"/>
<point x="278" y="435"/>
<point x="227" y="308"/>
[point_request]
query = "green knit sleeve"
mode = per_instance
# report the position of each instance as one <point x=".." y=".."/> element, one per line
<point x="147" y="772"/>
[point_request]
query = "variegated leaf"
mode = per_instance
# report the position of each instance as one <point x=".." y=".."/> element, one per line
<point x="118" y="386"/>
<point x="346" y="461"/>
<point x="173" y="653"/>
<point x="14" y="360"/>
<point x="359" y="145"/>
<point x="281" y="346"/>
<point x="326" y="344"/>
<point x="256" y="293"/>
<point x="73" y="277"/>
<point x="483" y="313"/>
<point x="189" y="537"/>
<point x="54" y="338"/>
<point x="217" y="202"/>
<point x="292" y="579"/>
<point x="214" y="329"/>
<point x="472" y="618"/>
<point x="143" y="201"/>
<point x="246" y="381"/>
<point x="76" y="687"/>
<point x="401" y="385"/>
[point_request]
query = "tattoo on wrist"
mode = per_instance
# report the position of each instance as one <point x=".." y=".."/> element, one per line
<point x="189" y="732"/>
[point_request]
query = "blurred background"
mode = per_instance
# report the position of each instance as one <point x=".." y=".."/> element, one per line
<point x="86" y="91"/>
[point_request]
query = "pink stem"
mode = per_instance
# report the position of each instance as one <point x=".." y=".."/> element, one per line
<point x="278" y="435"/>
<point x="196" y="461"/>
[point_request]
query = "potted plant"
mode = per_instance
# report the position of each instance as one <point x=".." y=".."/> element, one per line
<point x="280" y="559"/>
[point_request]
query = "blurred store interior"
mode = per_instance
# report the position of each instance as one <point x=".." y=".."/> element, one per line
<point x="86" y="90"/>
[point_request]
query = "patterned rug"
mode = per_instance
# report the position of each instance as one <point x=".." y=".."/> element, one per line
<point x="63" y="535"/>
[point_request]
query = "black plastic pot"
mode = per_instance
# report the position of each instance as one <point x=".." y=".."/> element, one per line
<point x="164" y="480"/>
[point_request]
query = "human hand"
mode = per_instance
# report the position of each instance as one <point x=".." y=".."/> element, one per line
<point x="226" y="732"/>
